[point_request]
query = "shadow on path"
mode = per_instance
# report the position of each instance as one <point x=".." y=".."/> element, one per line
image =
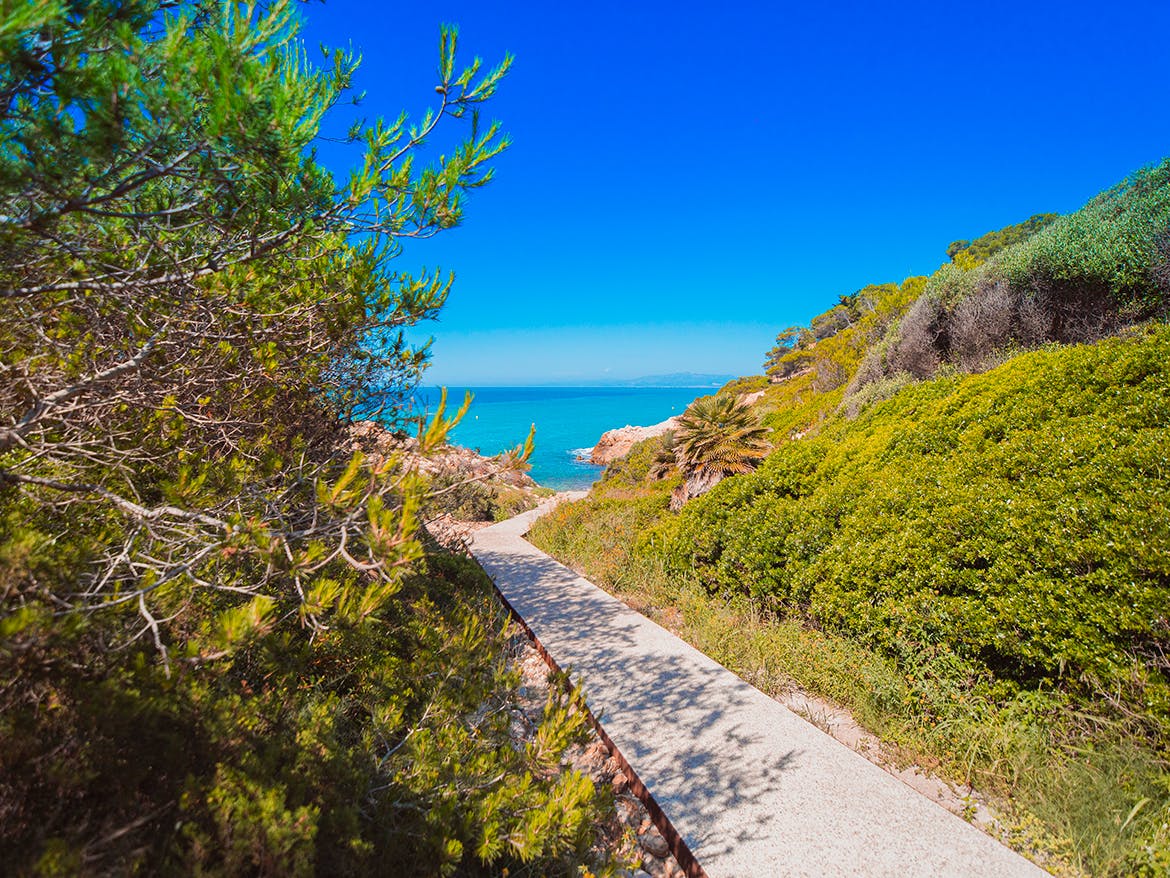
<point x="751" y="788"/>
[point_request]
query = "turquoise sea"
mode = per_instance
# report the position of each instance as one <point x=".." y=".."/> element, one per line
<point x="569" y="421"/>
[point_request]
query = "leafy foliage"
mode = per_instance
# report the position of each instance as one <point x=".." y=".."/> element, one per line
<point x="289" y="756"/>
<point x="1080" y="277"/>
<point x="970" y="516"/>
<point x="971" y="253"/>
<point x="221" y="647"/>
<point x="976" y="565"/>
<point x="833" y="349"/>
<point x="780" y="360"/>
<point x="973" y="514"/>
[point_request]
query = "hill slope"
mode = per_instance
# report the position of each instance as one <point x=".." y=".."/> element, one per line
<point x="968" y="499"/>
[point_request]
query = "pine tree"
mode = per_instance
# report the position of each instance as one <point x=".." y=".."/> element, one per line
<point x="222" y="648"/>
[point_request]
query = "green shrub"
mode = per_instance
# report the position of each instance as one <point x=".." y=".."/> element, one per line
<point x="222" y="649"/>
<point x="872" y="393"/>
<point x="294" y="758"/>
<point x="1110" y="247"/>
<point x="977" y="567"/>
<point x="986" y="246"/>
<point x="1078" y="278"/>
<point x="633" y="467"/>
<point x="748" y="384"/>
<point x="1015" y="520"/>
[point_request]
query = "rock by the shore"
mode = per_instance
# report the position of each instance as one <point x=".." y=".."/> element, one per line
<point x="376" y="440"/>
<point x="617" y="443"/>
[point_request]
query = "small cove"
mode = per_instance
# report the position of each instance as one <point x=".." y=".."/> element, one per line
<point x="569" y="421"/>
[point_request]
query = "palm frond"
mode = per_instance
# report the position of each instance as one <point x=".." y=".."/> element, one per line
<point x="716" y="437"/>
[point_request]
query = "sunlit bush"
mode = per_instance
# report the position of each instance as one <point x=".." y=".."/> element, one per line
<point x="1015" y="520"/>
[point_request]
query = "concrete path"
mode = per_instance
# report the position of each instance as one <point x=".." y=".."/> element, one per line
<point x="752" y="789"/>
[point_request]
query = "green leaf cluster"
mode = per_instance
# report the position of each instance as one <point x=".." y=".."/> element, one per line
<point x="373" y="748"/>
<point x="978" y="566"/>
<point x="971" y="253"/>
<point x="1070" y="279"/>
<point x="222" y="649"/>
<point x="1014" y="520"/>
<point x="975" y="516"/>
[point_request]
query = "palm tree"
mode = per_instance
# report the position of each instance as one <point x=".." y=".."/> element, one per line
<point x="664" y="460"/>
<point x="718" y="436"/>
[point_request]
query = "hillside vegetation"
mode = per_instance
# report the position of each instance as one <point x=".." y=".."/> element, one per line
<point x="962" y="532"/>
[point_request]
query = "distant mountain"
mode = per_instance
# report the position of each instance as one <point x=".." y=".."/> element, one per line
<point x="674" y="379"/>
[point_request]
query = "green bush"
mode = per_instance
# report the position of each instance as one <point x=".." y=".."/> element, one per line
<point x="1078" y="278"/>
<point x="1111" y="245"/>
<point x="633" y="466"/>
<point x="292" y="758"/>
<point x="474" y="499"/>
<point x="978" y="567"/>
<point x="986" y="246"/>
<point x="747" y="384"/>
<point x="1015" y="520"/>
<point x="222" y="650"/>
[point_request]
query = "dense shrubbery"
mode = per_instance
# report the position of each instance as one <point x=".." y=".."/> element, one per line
<point x="1079" y="278"/>
<point x="971" y="253"/>
<point x="834" y="347"/>
<point x="1012" y="519"/>
<point x="368" y="749"/>
<point x="1000" y="540"/>
<point x="1052" y="278"/>
<point x="471" y="498"/>
<point x="990" y="552"/>
<point x="221" y="648"/>
<point x="747" y="384"/>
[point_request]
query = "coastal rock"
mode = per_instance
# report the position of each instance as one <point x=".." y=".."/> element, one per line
<point x="617" y="443"/>
<point x="375" y="440"/>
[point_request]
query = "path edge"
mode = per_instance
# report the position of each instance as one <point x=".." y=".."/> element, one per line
<point x="674" y="840"/>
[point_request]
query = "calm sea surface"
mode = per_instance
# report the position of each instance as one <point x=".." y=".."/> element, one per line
<point x="569" y="421"/>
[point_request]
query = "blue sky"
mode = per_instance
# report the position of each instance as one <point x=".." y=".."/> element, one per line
<point x="688" y="178"/>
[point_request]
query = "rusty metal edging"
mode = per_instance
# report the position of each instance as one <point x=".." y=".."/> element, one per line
<point x="678" y="847"/>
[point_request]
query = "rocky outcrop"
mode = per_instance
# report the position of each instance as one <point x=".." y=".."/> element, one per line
<point x="375" y="440"/>
<point x="472" y="490"/>
<point x="617" y="443"/>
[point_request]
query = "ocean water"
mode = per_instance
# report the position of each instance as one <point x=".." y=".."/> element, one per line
<point x="569" y="421"/>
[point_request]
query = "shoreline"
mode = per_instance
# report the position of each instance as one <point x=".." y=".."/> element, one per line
<point x="569" y="423"/>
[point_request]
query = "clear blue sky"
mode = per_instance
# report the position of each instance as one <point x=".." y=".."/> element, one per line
<point x="689" y="178"/>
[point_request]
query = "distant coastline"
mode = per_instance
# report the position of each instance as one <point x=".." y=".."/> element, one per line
<point x="569" y="421"/>
<point x="671" y="381"/>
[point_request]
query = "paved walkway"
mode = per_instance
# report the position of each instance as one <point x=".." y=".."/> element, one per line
<point x="752" y="788"/>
